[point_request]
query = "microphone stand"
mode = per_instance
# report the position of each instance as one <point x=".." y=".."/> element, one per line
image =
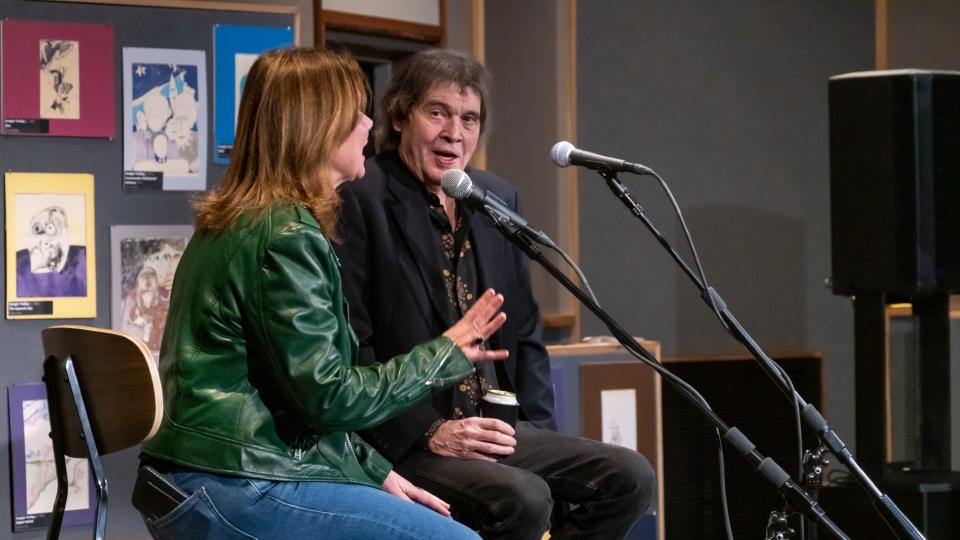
<point x="889" y="511"/>
<point x="766" y="466"/>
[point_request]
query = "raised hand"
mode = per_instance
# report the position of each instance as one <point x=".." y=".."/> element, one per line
<point x="477" y="325"/>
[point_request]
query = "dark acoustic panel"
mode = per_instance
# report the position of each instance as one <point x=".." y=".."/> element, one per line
<point x="742" y="395"/>
<point x="895" y="181"/>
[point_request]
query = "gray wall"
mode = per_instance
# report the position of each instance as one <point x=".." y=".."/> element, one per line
<point x="521" y="54"/>
<point x="728" y="101"/>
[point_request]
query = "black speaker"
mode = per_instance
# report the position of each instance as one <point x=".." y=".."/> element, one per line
<point x="895" y="182"/>
<point x="743" y="396"/>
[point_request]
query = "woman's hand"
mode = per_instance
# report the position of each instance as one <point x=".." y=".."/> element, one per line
<point x="401" y="487"/>
<point x="477" y="325"/>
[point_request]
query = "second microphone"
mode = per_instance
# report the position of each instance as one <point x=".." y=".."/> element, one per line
<point x="458" y="185"/>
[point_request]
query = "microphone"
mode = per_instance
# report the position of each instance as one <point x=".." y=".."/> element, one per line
<point x="565" y="154"/>
<point x="458" y="185"/>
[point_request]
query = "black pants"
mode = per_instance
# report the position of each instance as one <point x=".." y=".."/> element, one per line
<point x="607" y="486"/>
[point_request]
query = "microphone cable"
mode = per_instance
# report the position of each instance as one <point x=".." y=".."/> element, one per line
<point x="679" y="384"/>
<point x="716" y="311"/>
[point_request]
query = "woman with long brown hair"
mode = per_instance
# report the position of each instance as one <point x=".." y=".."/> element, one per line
<point x="262" y="395"/>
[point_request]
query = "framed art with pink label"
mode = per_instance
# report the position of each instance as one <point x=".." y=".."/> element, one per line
<point x="57" y="79"/>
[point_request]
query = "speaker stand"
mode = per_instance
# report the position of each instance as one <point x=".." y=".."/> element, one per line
<point x="872" y="382"/>
<point x="871" y="372"/>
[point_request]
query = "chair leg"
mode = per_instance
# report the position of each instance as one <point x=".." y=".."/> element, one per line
<point x="53" y="405"/>
<point x="60" y="503"/>
<point x="99" y="477"/>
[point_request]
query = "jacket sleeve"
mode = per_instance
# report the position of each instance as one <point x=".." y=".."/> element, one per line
<point x="532" y="379"/>
<point x="397" y="435"/>
<point x="295" y="311"/>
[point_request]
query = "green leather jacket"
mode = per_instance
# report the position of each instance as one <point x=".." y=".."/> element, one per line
<point x="258" y="360"/>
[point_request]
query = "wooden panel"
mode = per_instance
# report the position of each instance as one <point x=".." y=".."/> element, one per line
<point x="426" y="12"/>
<point x="364" y="24"/>
<point x="611" y="362"/>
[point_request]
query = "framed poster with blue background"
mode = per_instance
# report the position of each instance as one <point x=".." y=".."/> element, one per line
<point x="235" y="49"/>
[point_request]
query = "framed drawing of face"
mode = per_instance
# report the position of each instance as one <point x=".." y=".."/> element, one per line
<point x="51" y="255"/>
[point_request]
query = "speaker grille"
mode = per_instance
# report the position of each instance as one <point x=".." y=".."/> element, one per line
<point x="744" y="397"/>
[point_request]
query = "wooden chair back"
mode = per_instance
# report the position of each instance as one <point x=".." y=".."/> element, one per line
<point x="120" y="384"/>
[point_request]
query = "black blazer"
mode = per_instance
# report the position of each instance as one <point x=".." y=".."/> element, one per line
<point x="397" y="298"/>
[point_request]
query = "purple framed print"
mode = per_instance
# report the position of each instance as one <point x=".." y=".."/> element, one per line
<point x="34" y="478"/>
<point x="57" y="79"/>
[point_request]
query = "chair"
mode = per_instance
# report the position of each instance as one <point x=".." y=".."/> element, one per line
<point x="104" y="395"/>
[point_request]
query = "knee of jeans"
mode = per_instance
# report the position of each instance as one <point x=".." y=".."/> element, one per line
<point x="634" y="477"/>
<point x="526" y="499"/>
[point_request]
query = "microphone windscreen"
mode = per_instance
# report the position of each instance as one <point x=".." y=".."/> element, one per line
<point x="561" y="153"/>
<point x="456" y="184"/>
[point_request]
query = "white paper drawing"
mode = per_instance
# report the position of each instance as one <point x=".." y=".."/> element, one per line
<point x="59" y="79"/>
<point x="41" y="471"/>
<point x="618" y="415"/>
<point x="50" y="245"/>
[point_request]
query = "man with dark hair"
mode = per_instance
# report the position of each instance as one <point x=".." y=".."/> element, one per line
<point x="413" y="259"/>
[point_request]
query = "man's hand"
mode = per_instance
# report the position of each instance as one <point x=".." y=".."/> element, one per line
<point x="401" y="487"/>
<point x="473" y="438"/>
<point x="477" y="325"/>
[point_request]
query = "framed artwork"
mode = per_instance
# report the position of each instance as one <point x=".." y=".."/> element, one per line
<point x="57" y="79"/>
<point x="164" y="119"/>
<point x="419" y="20"/>
<point x="34" y="473"/>
<point x="51" y="252"/>
<point x="235" y="49"/>
<point x="143" y="261"/>
<point x="619" y="404"/>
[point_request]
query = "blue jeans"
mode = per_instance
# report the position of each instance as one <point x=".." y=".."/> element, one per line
<point x="233" y="507"/>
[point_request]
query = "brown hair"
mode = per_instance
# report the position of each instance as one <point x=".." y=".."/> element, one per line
<point x="298" y="106"/>
<point x="418" y="75"/>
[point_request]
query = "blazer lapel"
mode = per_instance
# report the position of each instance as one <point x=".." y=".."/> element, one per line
<point x="490" y="250"/>
<point x="413" y="225"/>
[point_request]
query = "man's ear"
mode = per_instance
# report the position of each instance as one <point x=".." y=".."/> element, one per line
<point x="398" y="126"/>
